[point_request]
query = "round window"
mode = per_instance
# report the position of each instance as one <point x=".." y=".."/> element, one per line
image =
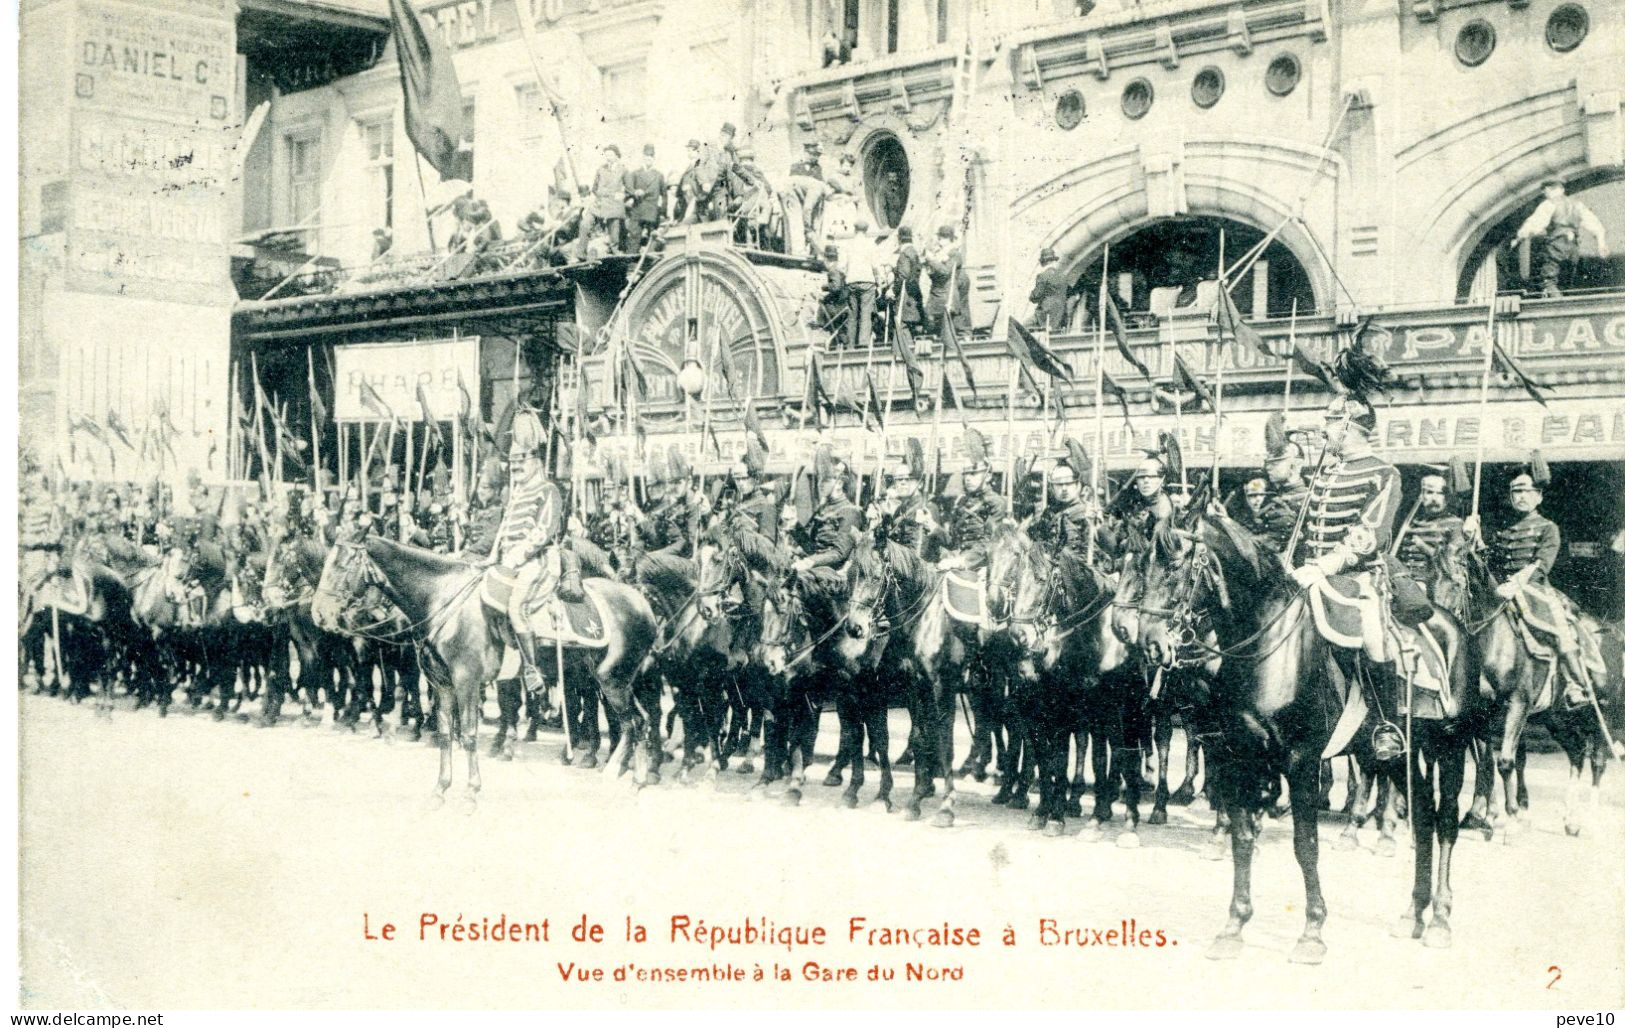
<point x="1475" y="42"/>
<point x="1137" y="97"/>
<point x="1567" y="28"/>
<point x="1207" y="87"/>
<point x="1283" y="74"/>
<point x="1069" y="110"/>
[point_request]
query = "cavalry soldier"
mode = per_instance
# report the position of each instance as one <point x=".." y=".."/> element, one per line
<point x="1253" y="497"/>
<point x="1064" y="528"/>
<point x="1283" y="465"/>
<point x="903" y="516"/>
<point x="1558" y="221"/>
<point x="752" y="506"/>
<point x="1049" y="293"/>
<point x="531" y="522"/>
<point x="1432" y="528"/>
<point x="484" y="515"/>
<point x="974" y="514"/>
<point x="1522" y="550"/>
<point x="828" y="539"/>
<point x="1141" y="503"/>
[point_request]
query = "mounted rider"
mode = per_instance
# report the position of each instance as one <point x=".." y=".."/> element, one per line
<point x="1521" y="551"/>
<point x="666" y="532"/>
<point x="903" y="516"/>
<point x="830" y="535"/>
<point x="1288" y="492"/>
<point x="1432" y="529"/>
<point x="747" y="503"/>
<point x="1064" y="529"/>
<point x="975" y="512"/>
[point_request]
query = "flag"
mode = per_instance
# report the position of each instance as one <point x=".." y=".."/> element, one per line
<point x="1109" y="386"/>
<point x="318" y="409"/>
<point x="582" y="432"/>
<point x="115" y="424"/>
<point x="369" y="399"/>
<point x="711" y="437"/>
<point x="466" y="400"/>
<point x="166" y="427"/>
<point x="629" y="362"/>
<point x="875" y="411"/>
<point x="434" y="99"/>
<point x="903" y="350"/>
<point x="1034" y="355"/>
<point x="725" y="364"/>
<point x="1114" y="320"/>
<point x="815" y="398"/>
<point x="431" y="428"/>
<point x="1229" y="319"/>
<point x="1185" y="380"/>
<point x="753" y="424"/>
<point x="1313" y="366"/>
<point x="1509" y="367"/>
<point x="88" y="425"/>
<point x="950" y="344"/>
<point x="948" y="394"/>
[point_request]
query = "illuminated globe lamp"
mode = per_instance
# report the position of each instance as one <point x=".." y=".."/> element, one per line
<point x="691" y="377"/>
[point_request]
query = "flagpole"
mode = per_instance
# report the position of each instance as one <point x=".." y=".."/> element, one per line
<point x="1292" y="349"/>
<point x="1218" y="386"/>
<point x="1010" y="426"/>
<point x="315" y="429"/>
<point x="423" y="194"/>
<point x="1484" y="403"/>
<point x="1100" y="387"/>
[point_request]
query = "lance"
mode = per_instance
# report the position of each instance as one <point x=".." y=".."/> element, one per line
<point x="1010" y="426"/>
<point x="1292" y="350"/>
<point x="1099" y="469"/>
<point x="1483" y="404"/>
<point x="315" y="429"/>
<point x="1218" y="386"/>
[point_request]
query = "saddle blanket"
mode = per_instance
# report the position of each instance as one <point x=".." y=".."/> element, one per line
<point x="1349" y="613"/>
<point x="1543" y="649"/>
<point x="549" y="618"/>
<point x="965" y="596"/>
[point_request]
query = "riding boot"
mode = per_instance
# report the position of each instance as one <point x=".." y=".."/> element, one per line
<point x="570" y="589"/>
<point x="1576" y="680"/>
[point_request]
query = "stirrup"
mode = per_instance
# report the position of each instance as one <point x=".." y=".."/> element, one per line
<point x="1387" y="741"/>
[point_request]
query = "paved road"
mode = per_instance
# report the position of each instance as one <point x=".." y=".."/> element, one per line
<point x="184" y="863"/>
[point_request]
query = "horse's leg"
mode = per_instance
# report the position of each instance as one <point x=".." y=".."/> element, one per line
<point x="1477" y="817"/>
<point x="875" y="718"/>
<point x="1133" y="732"/>
<point x="854" y="703"/>
<point x="508" y="698"/>
<point x="1051" y="739"/>
<point x="1389" y="803"/>
<point x="1574" y="744"/>
<point x="1599" y="764"/>
<point x="850" y="748"/>
<point x="467" y="684"/>
<point x="444" y="740"/>
<point x="1305" y="799"/>
<point x="1451" y="769"/>
<point x="1162" y="737"/>
<point x="800" y="712"/>
<point x="1360" y="786"/>
<point x="1523" y="786"/>
<point x="1243" y="825"/>
<point x="1506" y="760"/>
<point x="1081" y="737"/>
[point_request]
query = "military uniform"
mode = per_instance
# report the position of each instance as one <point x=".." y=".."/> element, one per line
<point x="1426" y="536"/>
<point x="970" y="525"/>
<point x="1352" y="506"/>
<point x="1525" y="541"/>
<point x="758" y="512"/>
<point x="1523" y="550"/>
<point x="1279" y="515"/>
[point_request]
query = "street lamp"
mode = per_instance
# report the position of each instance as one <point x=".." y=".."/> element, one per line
<point x="691" y="377"/>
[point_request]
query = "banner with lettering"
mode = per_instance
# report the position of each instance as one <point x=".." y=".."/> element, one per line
<point x="394" y="371"/>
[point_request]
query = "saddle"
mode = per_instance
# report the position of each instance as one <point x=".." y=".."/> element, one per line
<point x="547" y="617"/>
<point x="964" y="595"/>
<point x="1350" y="613"/>
<point x="1537" y="610"/>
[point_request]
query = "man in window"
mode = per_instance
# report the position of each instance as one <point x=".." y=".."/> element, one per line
<point x="1558" y="221"/>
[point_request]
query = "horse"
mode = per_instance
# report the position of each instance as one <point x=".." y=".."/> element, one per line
<point x="460" y="640"/>
<point x="327" y="660"/>
<point x="1073" y="674"/>
<point x="735" y="569"/>
<point x="1519" y="682"/>
<point x="96" y="636"/>
<point x="1279" y="692"/>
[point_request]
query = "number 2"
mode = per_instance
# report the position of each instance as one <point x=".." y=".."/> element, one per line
<point x="1557" y="973"/>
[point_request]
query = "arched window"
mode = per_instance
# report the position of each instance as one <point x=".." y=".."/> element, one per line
<point x="1170" y="267"/>
<point x="886" y="179"/>
<point x="1603" y="192"/>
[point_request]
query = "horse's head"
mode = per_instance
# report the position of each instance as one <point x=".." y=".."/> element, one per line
<point x="1177" y="585"/>
<point x="721" y="569"/>
<point x="1451" y="570"/>
<point x="783" y="629"/>
<point x="869" y="580"/>
<point x="348" y="586"/>
<point x="1006" y="559"/>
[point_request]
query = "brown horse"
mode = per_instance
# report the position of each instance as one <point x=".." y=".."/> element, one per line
<point x="460" y="641"/>
<point x="1281" y="689"/>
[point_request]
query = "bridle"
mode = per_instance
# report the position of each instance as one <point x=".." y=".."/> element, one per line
<point x="365" y="572"/>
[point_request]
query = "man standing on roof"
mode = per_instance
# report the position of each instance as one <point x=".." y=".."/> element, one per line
<point x="1558" y="221"/>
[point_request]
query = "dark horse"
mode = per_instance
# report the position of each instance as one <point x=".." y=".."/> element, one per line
<point x="1280" y="690"/>
<point x="1073" y="675"/>
<point x="460" y="640"/>
<point x="1526" y="687"/>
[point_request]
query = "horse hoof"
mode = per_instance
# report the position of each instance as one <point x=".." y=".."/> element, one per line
<point x="1214" y="849"/>
<point x="1092" y="831"/>
<point x="833" y="780"/>
<point x="1000" y="798"/>
<point x="467" y="806"/>
<point x="1347" y="842"/>
<point x="1054" y="829"/>
<point x="588" y="762"/>
<point x="792" y="797"/>
<point x="746" y="767"/>
<point x="1225" y="947"/>
<point x="913" y="812"/>
<point x="1074" y="808"/>
<point x="507" y="753"/>
<point x="1406" y="926"/>
<point x="1437" y="935"/>
<point x="1308" y="951"/>
<point x="884" y="803"/>
<point x="943" y="819"/>
<point x="435" y="801"/>
<point x="1158" y="817"/>
<point x="1018" y="801"/>
<point x="1387" y="847"/>
<point x="1183" y="796"/>
<point x="849" y="800"/>
<point x="1128" y="841"/>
